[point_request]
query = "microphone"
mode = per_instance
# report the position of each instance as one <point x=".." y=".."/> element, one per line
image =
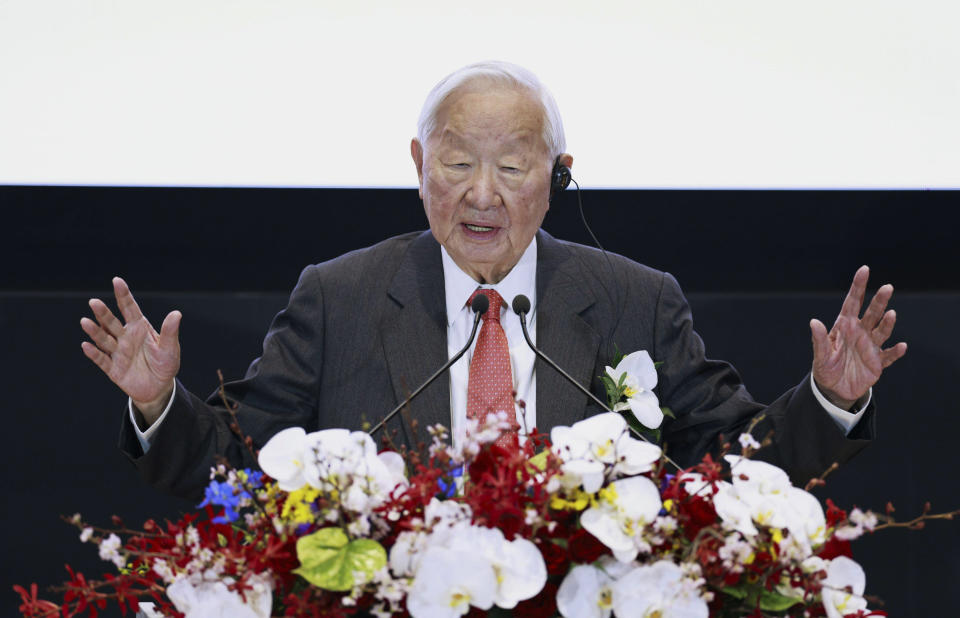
<point x="479" y="307"/>
<point x="521" y="306"/>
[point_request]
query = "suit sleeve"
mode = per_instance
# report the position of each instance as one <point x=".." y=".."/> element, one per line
<point x="279" y="390"/>
<point x="713" y="406"/>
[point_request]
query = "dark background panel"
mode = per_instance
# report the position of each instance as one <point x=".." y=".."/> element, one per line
<point x="756" y="265"/>
<point x="76" y="238"/>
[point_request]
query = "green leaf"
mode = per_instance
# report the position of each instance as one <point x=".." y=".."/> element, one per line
<point x="539" y="461"/>
<point x="773" y="602"/>
<point x="769" y="601"/>
<point x="737" y="593"/>
<point x="328" y="559"/>
<point x="667" y="412"/>
<point x="617" y="355"/>
<point x="613" y="396"/>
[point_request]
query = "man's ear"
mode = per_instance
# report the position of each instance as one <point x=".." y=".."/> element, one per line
<point x="566" y="160"/>
<point x="416" y="151"/>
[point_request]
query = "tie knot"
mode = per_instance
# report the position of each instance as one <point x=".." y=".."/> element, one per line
<point x="496" y="302"/>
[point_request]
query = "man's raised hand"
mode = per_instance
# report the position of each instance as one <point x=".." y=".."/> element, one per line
<point x="142" y="362"/>
<point x="849" y="359"/>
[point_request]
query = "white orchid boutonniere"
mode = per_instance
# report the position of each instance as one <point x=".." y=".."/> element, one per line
<point x="630" y="388"/>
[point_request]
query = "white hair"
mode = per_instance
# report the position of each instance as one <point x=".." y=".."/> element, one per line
<point x="500" y="73"/>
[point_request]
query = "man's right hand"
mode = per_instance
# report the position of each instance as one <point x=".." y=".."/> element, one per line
<point x="142" y="362"/>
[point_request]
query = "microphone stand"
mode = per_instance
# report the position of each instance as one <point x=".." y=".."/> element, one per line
<point x="479" y="307"/>
<point x="521" y="307"/>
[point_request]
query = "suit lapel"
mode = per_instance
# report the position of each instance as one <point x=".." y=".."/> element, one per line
<point x="414" y="334"/>
<point x="562" y="334"/>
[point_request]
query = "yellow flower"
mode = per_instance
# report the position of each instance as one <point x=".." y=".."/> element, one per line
<point x="297" y="507"/>
<point x="577" y="501"/>
<point x="608" y="493"/>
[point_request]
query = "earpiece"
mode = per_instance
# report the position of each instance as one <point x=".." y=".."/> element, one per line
<point x="559" y="178"/>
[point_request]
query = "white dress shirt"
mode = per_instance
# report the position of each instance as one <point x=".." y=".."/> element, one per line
<point x="522" y="279"/>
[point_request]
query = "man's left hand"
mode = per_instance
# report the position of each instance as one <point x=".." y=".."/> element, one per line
<point x="849" y="359"/>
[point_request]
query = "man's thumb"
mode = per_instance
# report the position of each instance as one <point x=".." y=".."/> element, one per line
<point x="170" y="329"/>
<point x="821" y="344"/>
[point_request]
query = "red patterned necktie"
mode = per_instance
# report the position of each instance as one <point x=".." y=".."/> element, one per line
<point x="490" y="387"/>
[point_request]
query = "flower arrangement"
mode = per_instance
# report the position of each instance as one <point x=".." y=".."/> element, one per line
<point x="586" y="522"/>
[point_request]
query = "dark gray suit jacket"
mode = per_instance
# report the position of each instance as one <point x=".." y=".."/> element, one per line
<point x="363" y="330"/>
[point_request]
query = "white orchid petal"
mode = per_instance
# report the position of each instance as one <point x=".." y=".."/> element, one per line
<point x="660" y="587"/>
<point x="638" y="498"/>
<point x="603" y="525"/>
<point x="522" y="573"/>
<point x="646" y="407"/>
<point x="636" y="456"/>
<point x="579" y="595"/>
<point x="841" y="574"/>
<point x="283" y="458"/>
<point x="600" y="427"/>
<point x="448" y="582"/>
<point x="639" y="366"/>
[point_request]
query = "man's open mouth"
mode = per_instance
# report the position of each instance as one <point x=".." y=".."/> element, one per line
<point x="478" y="228"/>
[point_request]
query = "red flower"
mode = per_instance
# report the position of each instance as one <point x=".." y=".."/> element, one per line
<point x="585" y="548"/>
<point x="555" y="557"/>
<point x="835" y="547"/>
<point x="540" y="606"/>
<point x="835" y="514"/>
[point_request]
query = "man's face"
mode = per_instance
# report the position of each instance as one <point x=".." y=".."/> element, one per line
<point x="485" y="178"/>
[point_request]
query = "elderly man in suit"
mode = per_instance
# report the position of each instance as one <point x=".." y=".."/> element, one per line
<point x="363" y="330"/>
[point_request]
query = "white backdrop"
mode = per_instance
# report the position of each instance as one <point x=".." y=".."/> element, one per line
<point x="735" y="93"/>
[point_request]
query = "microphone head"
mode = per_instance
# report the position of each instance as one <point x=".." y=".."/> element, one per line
<point x="521" y="304"/>
<point x="480" y="304"/>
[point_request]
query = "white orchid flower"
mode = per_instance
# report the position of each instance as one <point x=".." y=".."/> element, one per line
<point x="765" y="478"/>
<point x="590" y="445"/>
<point x="348" y="463"/>
<point x="587" y="590"/>
<point x="843" y="574"/>
<point x="625" y="507"/>
<point x="765" y="491"/>
<point x="284" y="457"/>
<point x="518" y="565"/>
<point x="448" y="582"/>
<point x="734" y="512"/>
<point x="406" y="552"/>
<point x="635" y="456"/>
<point x="805" y="518"/>
<point x="640" y="380"/>
<point x="212" y="599"/>
<point x="660" y="589"/>
<point x="695" y="485"/>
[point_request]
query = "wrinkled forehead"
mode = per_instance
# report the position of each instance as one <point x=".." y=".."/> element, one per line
<point x="490" y="111"/>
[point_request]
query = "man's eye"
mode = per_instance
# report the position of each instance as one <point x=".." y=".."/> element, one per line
<point x="510" y="170"/>
<point x="459" y="166"/>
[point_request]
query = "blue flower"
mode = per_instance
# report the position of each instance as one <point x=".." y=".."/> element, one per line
<point x="449" y="490"/>
<point x="225" y="495"/>
<point x="254" y="478"/>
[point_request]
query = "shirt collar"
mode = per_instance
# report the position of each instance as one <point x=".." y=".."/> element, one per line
<point x="522" y="279"/>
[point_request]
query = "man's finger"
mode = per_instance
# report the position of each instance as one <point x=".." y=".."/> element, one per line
<point x="854" y="300"/>
<point x="170" y="329"/>
<point x="99" y="336"/>
<point x="874" y="313"/>
<point x="94" y="353"/>
<point x="105" y="317"/>
<point x="821" y="340"/>
<point x="885" y="328"/>
<point x="128" y="306"/>
<point x="891" y="355"/>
